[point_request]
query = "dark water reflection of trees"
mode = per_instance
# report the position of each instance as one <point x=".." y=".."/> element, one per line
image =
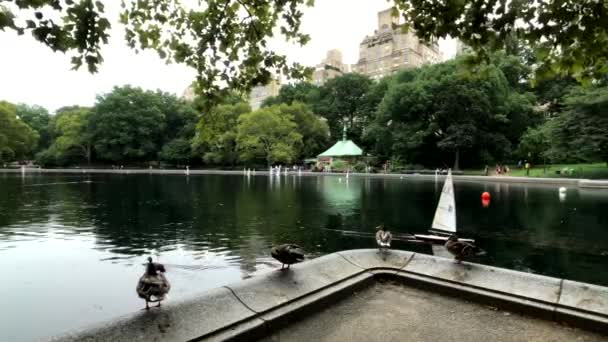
<point x="524" y="228"/>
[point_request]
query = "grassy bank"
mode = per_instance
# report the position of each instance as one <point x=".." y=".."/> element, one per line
<point x="589" y="171"/>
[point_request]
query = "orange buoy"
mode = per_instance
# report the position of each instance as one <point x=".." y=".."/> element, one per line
<point x="485" y="195"/>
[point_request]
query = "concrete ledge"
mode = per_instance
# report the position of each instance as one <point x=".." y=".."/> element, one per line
<point x="217" y="310"/>
<point x="258" y="306"/>
<point x="385" y="260"/>
<point x="595" y="184"/>
<point x="261" y="294"/>
<point x="525" y="285"/>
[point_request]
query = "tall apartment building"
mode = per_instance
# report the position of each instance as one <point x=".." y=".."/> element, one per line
<point x="189" y="94"/>
<point x="329" y="68"/>
<point x="462" y="48"/>
<point x="389" y="49"/>
<point x="260" y="93"/>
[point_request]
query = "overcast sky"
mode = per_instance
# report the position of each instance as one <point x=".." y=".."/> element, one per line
<point x="31" y="73"/>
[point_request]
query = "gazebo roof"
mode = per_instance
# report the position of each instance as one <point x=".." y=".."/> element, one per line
<point x="343" y="148"/>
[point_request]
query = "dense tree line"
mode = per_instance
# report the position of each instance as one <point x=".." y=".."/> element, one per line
<point x="457" y="114"/>
<point x="464" y="113"/>
<point x="130" y="126"/>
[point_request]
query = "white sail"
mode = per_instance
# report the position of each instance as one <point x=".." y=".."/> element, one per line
<point x="445" y="215"/>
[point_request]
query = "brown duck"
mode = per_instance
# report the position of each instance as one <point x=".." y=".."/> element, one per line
<point x="383" y="237"/>
<point x="461" y="249"/>
<point x="153" y="285"/>
<point x="287" y="254"/>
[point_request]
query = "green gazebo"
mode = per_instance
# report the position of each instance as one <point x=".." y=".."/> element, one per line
<point x="344" y="149"/>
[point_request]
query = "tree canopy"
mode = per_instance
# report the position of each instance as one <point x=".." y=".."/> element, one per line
<point x="224" y="41"/>
<point x="38" y="118"/>
<point x="303" y="92"/>
<point x="269" y="134"/>
<point x="75" y="136"/>
<point x="127" y="124"/>
<point x="312" y="127"/>
<point x="579" y="132"/>
<point x="447" y="108"/>
<point x="17" y="139"/>
<point x="216" y="134"/>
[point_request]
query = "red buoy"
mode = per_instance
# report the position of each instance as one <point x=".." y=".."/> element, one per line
<point x="485" y="202"/>
<point x="485" y="195"/>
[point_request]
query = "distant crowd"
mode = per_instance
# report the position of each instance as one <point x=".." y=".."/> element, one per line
<point x="504" y="169"/>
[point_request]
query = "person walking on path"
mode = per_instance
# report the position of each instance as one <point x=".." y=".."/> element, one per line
<point x="527" y="166"/>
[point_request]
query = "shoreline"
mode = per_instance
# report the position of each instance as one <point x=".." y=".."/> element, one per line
<point x="580" y="183"/>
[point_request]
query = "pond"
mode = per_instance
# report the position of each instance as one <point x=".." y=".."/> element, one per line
<point x="72" y="246"/>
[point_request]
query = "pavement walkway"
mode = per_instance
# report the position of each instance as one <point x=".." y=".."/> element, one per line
<point x="389" y="311"/>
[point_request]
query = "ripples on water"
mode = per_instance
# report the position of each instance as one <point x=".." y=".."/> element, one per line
<point x="73" y="247"/>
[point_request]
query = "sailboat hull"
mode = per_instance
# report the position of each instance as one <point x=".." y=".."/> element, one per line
<point x="438" y="238"/>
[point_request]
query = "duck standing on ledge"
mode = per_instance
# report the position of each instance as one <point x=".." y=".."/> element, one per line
<point x="153" y="286"/>
<point x="461" y="249"/>
<point x="287" y="254"/>
<point x="383" y="237"/>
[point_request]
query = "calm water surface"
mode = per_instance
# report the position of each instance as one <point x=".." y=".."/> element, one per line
<point x="72" y="246"/>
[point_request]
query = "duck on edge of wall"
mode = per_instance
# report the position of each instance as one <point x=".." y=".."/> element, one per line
<point x="153" y="286"/>
<point x="287" y="254"/>
<point x="383" y="237"/>
<point x="462" y="249"/>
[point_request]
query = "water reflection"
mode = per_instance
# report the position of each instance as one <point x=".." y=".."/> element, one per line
<point x="80" y="232"/>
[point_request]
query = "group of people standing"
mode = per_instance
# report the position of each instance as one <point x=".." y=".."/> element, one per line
<point x="504" y="169"/>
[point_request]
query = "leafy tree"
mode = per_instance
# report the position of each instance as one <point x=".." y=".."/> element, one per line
<point x="204" y="104"/>
<point x="270" y="134"/>
<point x="314" y="130"/>
<point x="38" y="119"/>
<point x="579" y="132"/>
<point x="179" y="129"/>
<point x="127" y="124"/>
<point x="534" y="144"/>
<point x="303" y="92"/>
<point x="216" y="134"/>
<point x="343" y="100"/>
<point x="445" y="108"/>
<point x="75" y="138"/>
<point x="225" y="41"/>
<point x="17" y="139"/>
<point x="176" y="152"/>
<point x="551" y="92"/>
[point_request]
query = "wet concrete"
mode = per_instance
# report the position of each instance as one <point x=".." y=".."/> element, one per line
<point x="388" y="311"/>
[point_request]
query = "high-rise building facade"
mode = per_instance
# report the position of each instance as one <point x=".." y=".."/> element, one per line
<point x="260" y="93"/>
<point x="389" y="49"/>
<point x="329" y="68"/>
<point x="462" y="48"/>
